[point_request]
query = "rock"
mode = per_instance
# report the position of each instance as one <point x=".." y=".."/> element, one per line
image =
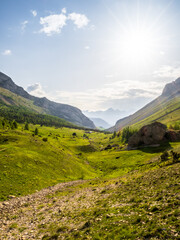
<point x="151" y="134"/>
<point x="171" y="88"/>
<point x="11" y="196"/>
<point x="173" y="135"/>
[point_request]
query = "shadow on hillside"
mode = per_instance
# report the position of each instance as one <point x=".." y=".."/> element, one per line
<point x="156" y="149"/>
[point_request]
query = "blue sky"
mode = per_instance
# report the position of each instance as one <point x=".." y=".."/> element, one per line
<point x="93" y="54"/>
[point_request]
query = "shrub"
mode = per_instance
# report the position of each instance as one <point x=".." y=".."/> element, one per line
<point x="164" y="156"/>
<point x="45" y="139"/>
<point x="74" y="134"/>
<point x="175" y="156"/>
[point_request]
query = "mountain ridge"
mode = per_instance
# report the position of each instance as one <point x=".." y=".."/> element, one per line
<point x="64" y="111"/>
<point x="166" y="103"/>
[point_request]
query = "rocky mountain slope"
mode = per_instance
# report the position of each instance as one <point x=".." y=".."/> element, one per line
<point x="64" y="111"/>
<point x="165" y="109"/>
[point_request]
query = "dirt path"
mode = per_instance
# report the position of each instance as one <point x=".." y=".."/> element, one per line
<point x="20" y="216"/>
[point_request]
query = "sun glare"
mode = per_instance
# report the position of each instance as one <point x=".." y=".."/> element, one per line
<point x="138" y="46"/>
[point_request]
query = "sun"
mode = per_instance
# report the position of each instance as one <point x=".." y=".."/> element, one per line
<point x="138" y="45"/>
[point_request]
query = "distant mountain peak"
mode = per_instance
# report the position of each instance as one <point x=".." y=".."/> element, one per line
<point x="171" y="88"/>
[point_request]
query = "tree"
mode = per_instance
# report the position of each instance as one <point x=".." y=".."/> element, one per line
<point x="26" y="127"/>
<point x="114" y="134"/>
<point x="127" y="133"/>
<point x="14" y="123"/>
<point x="36" y="131"/>
<point x="3" y="123"/>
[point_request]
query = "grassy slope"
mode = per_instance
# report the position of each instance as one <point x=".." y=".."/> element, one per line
<point x="161" y="109"/>
<point x="140" y="205"/>
<point x="28" y="163"/>
<point x="10" y="98"/>
<point x="13" y="106"/>
<point x="169" y="113"/>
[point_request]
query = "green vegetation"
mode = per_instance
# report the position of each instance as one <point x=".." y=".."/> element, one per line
<point x="166" y="112"/>
<point x="119" y="194"/>
<point x="34" y="157"/>
<point x="138" y="205"/>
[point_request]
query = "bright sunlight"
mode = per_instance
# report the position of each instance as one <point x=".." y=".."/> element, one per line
<point x="139" y="45"/>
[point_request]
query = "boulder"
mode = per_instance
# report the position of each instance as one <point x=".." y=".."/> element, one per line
<point x="151" y="134"/>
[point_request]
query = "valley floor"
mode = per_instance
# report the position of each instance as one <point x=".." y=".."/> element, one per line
<point x="135" y="206"/>
<point x="75" y="184"/>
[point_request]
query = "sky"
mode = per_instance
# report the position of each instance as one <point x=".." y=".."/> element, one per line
<point x="92" y="54"/>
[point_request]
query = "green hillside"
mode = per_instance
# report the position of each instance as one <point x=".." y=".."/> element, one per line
<point x="9" y="98"/>
<point x="30" y="162"/>
<point x="15" y="107"/>
<point x="131" y="194"/>
<point x="167" y="112"/>
<point x="163" y="109"/>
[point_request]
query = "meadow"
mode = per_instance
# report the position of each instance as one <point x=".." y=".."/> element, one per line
<point x="31" y="162"/>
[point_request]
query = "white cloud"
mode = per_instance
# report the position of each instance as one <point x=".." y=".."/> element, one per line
<point x="63" y="10"/>
<point x="23" y="25"/>
<point x="116" y="94"/>
<point x="34" y="13"/>
<point x="7" y="52"/>
<point x="54" y="23"/>
<point x="36" y="90"/>
<point x="167" y="71"/>
<point x="80" y="20"/>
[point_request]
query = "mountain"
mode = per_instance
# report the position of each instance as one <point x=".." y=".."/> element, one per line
<point x="165" y="109"/>
<point x="99" y="122"/>
<point x="43" y="105"/>
<point x="110" y="115"/>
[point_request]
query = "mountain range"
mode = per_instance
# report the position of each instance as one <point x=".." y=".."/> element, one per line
<point x="100" y="123"/>
<point x="42" y="105"/>
<point x="110" y="115"/>
<point x="165" y="109"/>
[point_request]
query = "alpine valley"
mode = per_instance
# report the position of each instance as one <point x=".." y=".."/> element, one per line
<point x="61" y="178"/>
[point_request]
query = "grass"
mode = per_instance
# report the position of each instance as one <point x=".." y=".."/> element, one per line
<point x="133" y="207"/>
<point x="126" y="194"/>
<point x="28" y="164"/>
<point x="138" y="205"/>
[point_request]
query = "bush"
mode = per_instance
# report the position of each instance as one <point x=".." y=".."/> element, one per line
<point x="175" y="156"/>
<point x="74" y="134"/>
<point x="164" y="156"/>
<point x="45" y="139"/>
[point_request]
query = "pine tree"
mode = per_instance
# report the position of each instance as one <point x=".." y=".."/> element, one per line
<point x="26" y="127"/>
<point x="36" y="131"/>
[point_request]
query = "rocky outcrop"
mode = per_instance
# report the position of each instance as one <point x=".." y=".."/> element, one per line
<point x="171" y="88"/>
<point x="151" y="135"/>
<point x="64" y="111"/>
<point x="148" y="135"/>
